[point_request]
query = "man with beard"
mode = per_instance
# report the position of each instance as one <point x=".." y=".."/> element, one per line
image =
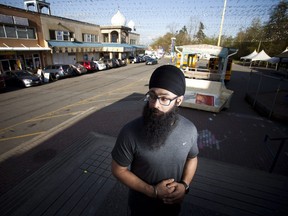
<point x="155" y="155"/>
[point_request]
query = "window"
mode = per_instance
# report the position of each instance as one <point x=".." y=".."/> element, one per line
<point x="90" y="38"/>
<point x="21" y="32"/>
<point x="17" y="32"/>
<point x="31" y="33"/>
<point x="114" y="37"/>
<point x="66" y="36"/>
<point x="93" y="38"/>
<point x="2" y="32"/>
<point x="87" y="37"/>
<point x="59" y="35"/>
<point x="132" y="41"/>
<point x="10" y="32"/>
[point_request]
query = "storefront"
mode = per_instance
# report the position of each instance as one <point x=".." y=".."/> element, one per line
<point x="15" y="59"/>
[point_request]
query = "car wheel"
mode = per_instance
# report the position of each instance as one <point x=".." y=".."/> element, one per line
<point x="57" y="76"/>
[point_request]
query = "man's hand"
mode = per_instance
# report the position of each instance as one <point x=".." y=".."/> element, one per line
<point x="177" y="195"/>
<point x="165" y="188"/>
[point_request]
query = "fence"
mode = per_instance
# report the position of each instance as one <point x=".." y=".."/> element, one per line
<point x="267" y="92"/>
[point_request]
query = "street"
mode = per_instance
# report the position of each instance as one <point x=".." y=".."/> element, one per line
<point x="27" y="113"/>
<point x="39" y="123"/>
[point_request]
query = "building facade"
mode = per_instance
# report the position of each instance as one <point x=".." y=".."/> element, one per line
<point x="32" y="39"/>
<point x="22" y="43"/>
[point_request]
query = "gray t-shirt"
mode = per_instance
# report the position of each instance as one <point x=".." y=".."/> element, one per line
<point x="155" y="165"/>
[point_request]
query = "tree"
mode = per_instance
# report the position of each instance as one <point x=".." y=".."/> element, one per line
<point x="271" y="36"/>
<point x="164" y="42"/>
<point x="183" y="38"/>
<point x="276" y="28"/>
<point x="200" y="35"/>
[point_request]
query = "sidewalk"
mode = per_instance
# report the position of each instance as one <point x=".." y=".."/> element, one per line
<point x="79" y="182"/>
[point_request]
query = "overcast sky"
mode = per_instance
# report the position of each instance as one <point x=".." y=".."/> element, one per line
<point x="153" y="18"/>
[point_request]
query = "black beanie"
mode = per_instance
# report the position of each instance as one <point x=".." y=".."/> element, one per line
<point x="169" y="78"/>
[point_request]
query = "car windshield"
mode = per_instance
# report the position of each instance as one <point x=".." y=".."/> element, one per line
<point x="23" y="73"/>
<point x="100" y="62"/>
<point x="65" y="67"/>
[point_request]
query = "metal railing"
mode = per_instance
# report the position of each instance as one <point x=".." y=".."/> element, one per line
<point x="280" y="147"/>
<point x="270" y="85"/>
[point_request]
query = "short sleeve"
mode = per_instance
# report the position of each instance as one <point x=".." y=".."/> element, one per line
<point x="194" y="147"/>
<point x="124" y="149"/>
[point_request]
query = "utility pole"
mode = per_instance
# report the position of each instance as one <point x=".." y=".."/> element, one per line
<point x="173" y="39"/>
<point x="222" y="21"/>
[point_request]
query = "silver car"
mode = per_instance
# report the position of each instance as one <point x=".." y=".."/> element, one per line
<point x="57" y="71"/>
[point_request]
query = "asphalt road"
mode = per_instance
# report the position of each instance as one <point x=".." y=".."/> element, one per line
<point x="31" y="117"/>
<point x="28" y="113"/>
<point x="40" y="122"/>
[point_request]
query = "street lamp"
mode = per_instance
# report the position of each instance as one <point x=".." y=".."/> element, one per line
<point x="173" y="39"/>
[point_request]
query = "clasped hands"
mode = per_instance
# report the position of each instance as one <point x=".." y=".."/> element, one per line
<point x="170" y="191"/>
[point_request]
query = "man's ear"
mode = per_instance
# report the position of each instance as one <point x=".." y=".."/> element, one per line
<point x="179" y="100"/>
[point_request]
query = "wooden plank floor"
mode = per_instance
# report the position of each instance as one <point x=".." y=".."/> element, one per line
<point x="79" y="182"/>
<point x="234" y="190"/>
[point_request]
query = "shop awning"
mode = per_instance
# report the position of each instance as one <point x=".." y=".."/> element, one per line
<point x="23" y="47"/>
<point x="72" y="46"/>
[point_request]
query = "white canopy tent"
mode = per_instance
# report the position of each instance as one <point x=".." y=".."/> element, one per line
<point x="261" y="56"/>
<point x="248" y="57"/>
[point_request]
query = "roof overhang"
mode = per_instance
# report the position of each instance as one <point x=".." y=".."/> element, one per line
<point x="72" y="46"/>
<point x="206" y="49"/>
<point x="5" y="47"/>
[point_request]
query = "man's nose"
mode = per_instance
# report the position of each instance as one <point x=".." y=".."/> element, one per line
<point x="155" y="103"/>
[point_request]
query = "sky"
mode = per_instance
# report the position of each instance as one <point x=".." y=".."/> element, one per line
<point x="154" y="18"/>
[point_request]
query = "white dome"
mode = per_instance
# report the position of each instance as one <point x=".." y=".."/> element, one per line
<point x="118" y="19"/>
<point x="131" y="25"/>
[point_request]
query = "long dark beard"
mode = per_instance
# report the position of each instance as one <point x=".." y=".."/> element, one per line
<point x="157" y="125"/>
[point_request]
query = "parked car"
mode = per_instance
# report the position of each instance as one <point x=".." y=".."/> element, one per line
<point x="57" y="71"/>
<point x="142" y="57"/>
<point x="89" y="65"/>
<point x="2" y="82"/>
<point x="151" y="61"/>
<point x="77" y="69"/>
<point x="22" y="78"/>
<point x="137" y="59"/>
<point x="100" y="65"/>
<point x="122" y="62"/>
<point x="114" y="62"/>
<point x="106" y="62"/>
<point x="131" y="59"/>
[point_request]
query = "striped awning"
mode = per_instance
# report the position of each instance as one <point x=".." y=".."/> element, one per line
<point x="23" y="47"/>
<point x="73" y="46"/>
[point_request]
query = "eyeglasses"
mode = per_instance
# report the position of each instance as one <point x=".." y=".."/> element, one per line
<point x="151" y="97"/>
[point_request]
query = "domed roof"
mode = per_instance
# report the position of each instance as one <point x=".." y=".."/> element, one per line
<point x="118" y="19"/>
<point x="131" y="25"/>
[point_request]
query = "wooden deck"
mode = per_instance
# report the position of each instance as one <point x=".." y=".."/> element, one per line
<point x="79" y="182"/>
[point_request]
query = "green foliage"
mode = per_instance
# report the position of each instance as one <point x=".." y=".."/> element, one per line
<point x="200" y="35"/>
<point x="271" y="36"/>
